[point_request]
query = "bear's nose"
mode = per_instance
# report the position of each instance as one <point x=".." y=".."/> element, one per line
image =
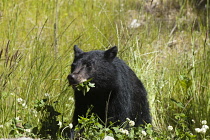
<point x="72" y="79"/>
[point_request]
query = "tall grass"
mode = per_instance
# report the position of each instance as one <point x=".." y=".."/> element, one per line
<point x="170" y="56"/>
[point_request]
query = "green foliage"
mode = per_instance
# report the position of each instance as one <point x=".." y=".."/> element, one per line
<point x="185" y="82"/>
<point x="85" y="86"/>
<point x="182" y="130"/>
<point x="48" y="126"/>
<point x="90" y="127"/>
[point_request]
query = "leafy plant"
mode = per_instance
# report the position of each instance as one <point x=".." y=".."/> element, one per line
<point x="182" y="130"/>
<point x="85" y="86"/>
<point x="19" y="129"/>
<point x="91" y="127"/>
<point x="49" y="125"/>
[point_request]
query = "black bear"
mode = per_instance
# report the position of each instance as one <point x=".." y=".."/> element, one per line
<point x="118" y="93"/>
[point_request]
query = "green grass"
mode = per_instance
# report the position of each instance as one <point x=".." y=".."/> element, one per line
<point x="169" y="54"/>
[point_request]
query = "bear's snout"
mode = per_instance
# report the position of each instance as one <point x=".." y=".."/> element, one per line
<point x="72" y="79"/>
<point x="75" y="79"/>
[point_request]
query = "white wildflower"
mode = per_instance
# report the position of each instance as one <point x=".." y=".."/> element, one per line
<point x="193" y="121"/>
<point x="1" y="126"/>
<point x="121" y="130"/>
<point x="204" y="122"/>
<point x="131" y="123"/>
<point x="198" y="130"/>
<point x="144" y="133"/>
<point x="134" y="24"/>
<point x="205" y="127"/>
<point x="70" y="125"/>
<point x="47" y="94"/>
<point x="34" y="113"/>
<point x="19" y="100"/>
<point x="203" y="130"/>
<point x="124" y="131"/>
<point x="17" y="118"/>
<point x="60" y="123"/>
<point x="28" y="130"/>
<point x="108" y="138"/>
<point x="24" y="105"/>
<point x="127" y="119"/>
<point x="170" y="128"/>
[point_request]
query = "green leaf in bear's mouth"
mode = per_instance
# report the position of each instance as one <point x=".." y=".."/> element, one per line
<point x="85" y="86"/>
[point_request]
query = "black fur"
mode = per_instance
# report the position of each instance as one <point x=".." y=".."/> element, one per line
<point x="118" y="93"/>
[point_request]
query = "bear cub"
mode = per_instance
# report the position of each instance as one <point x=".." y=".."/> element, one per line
<point x="118" y="93"/>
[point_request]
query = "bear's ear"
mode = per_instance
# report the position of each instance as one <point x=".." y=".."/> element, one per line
<point x="77" y="51"/>
<point x="111" y="53"/>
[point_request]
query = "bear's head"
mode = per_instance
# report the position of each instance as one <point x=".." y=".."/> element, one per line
<point x="96" y="65"/>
